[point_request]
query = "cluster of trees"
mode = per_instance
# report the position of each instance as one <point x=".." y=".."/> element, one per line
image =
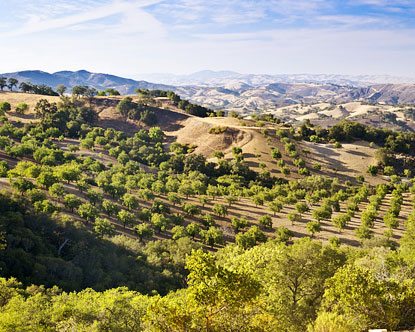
<point x="67" y="117"/>
<point x="179" y="174"/>
<point x="342" y="219"/>
<point x="370" y="214"/>
<point x="26" y="87"/>
<point x="188" y="107"/>
<point x="109" y="92"/>
<point x="271" y="287"/>
<point x="343" y="131"/>
<point x="185" y="105"/>
<point x="59" y="250"/>
<point x="287" y="137"/>
<point x="37" y="89"/>
<point x="139" y="111"/>
<point x="391" y="217"/>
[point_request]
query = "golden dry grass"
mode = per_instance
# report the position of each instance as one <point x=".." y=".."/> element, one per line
<point x="15" y="98"/>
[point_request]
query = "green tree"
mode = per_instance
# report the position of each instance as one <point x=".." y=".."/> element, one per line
<point x="4" y="168"/>
<point x="220" y="209"/>
<point x="61" y="89"/>
<point x="221" y="294"/>
<point x="323" y="212"/>
<point x="373" y="170"/>
<point x="265" y="221"/>
<point x="68" y="173"/>
<point x="250" y="238"/>
<point x="276" y="153"/>
<point x="212" y="236"/>
<point x="46" y="179"/>
<point x="239" y="223"/>
<point x="186" y="189"/>
<point x="174" y="198"/>
<point x="22" y="108"/>
<point x="363" y="232"/>
<point x="3" y="83"/>
<point x="71" y="202"/>
<point x="126" y="217"/>
<point x="366" y="300"/>
<point x="193" y="229"/>
<point x="143" y="231"/>
<point x="230" y="200"/>
<point x="36" y="195"/>
<point x="302" y="207"/>
<point x="12" y="83"/>
<point x="57" y="190"/>
<point x="88" y="212"/>
<point x="283" y="234"/>
<point x="130" y="201"/>
<point x="258" y="200"/>
<point x="208" y="220"/>
<point x="178" y="232"/>
<point x="22" y="185"/>
<point x="126" y="106"/>
<point x="191" y="209"/>
<point x="294" y="217"/>
<point x="110" y="208"/>
<point x="94" y="196"/>
<point x="159" y="222"/>
<point x="313" y="227"/>
<point x="275" y="206"/>
<point x="5" y="107"/>
<point x="341" y="221"/>
<point x="103" y="227"/>
<point x="44" y="206"/>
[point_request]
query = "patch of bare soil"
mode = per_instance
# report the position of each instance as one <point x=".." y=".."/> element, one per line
<point x="347" y="162"/>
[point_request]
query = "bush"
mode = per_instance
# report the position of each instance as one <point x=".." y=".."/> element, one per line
<point x="373" y="170"/>
<point x="22" y="108"/>
<point x="217" y="130"/>
<point x="265" y="221"/>
<point x="283" y="234"/>
<point x="313" y="227"/>
<point x="5" y="107"/>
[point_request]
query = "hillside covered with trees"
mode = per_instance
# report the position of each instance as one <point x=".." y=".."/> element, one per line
<point x="103" y="229"/>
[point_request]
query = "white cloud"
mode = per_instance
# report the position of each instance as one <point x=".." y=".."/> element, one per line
<point x="347" y="21"/>
<point x="130" y="9"/>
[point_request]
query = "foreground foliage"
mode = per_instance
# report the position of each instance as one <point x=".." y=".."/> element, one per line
<point x="272" y="287"/>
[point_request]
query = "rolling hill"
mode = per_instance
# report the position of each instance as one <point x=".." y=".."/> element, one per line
<point x="244" y="93"/>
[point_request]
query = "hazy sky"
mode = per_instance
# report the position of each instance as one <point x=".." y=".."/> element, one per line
<point x="127" y="37"/>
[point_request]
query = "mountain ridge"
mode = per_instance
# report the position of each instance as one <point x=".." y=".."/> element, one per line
<point x="215" y="78"/>
<point x="99" y="81"/>
<point x="235" y="94"/>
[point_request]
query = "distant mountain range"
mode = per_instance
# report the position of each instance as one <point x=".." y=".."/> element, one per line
<point x="220" y="78"/>
<point x="244" y="93"/>
<point x="247" y="99"/>
<point x="83" y="77"/>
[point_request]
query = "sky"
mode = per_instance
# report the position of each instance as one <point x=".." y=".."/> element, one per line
<point x="129" y="37"/>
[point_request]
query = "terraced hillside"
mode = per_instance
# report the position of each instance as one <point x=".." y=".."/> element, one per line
<point x="241" y="177"/>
